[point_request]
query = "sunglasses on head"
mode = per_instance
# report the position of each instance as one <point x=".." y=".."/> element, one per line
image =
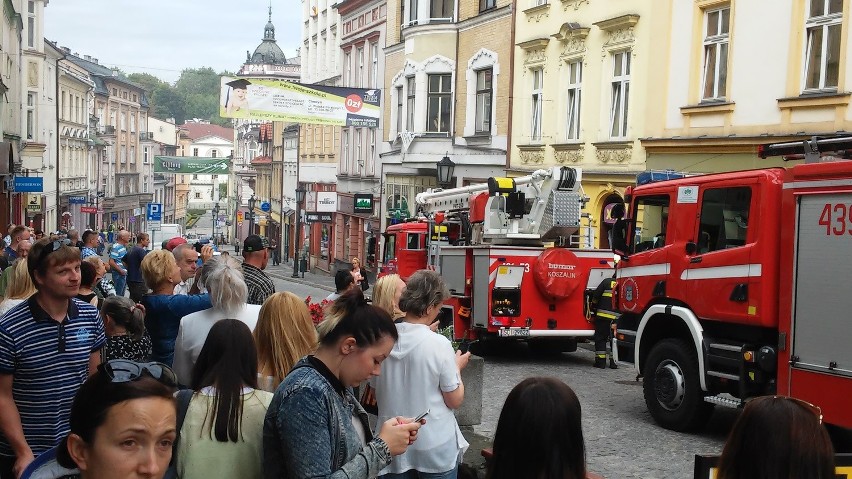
<point x="815" y="410"/>
<point x="51" y="247"/>
<point x="124" y="371"/>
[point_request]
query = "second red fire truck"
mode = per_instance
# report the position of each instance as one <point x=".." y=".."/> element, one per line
<point x="509" y="253"/>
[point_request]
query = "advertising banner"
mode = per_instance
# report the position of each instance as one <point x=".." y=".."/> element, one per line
<point x="317" y="217"/>
<point x="191" y="165"/>
<point x="281" y="100"/>
<point x="363" y="203"/>
<point x="29" y="184"/>
<point x="326" y="201"/>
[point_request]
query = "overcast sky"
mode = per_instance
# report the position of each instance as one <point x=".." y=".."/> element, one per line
<point x="162" y="37"/>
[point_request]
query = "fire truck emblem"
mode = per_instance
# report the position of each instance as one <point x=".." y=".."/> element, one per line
<point x="629" y="294"/>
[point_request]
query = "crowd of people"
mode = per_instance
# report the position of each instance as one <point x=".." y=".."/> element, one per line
<point x="206" y="371"/>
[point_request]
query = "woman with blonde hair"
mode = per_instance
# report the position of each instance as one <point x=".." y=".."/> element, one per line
<point x="20" y="287"/>
<point x="284" y="334"/>
<point x="359" y="274"/>
<point x="386" y="295"/>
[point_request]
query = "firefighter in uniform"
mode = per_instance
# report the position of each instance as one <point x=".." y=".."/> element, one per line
<point x="605" y="316"/>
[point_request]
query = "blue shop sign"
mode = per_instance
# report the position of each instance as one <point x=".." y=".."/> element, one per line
<point x="265" y="207"/>
<point x="29" y="184"/>
<point x="77" y="200"/>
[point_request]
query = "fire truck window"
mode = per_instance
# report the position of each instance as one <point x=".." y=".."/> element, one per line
<point x="413" y="241"/>
<point x="650" y="218"/>
<point x="724" y="218"/>
<point x="390" y="248"/>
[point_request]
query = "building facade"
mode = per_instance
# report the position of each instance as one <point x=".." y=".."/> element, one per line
<point x="720" y="103"/>
<point x="260" y="166"/>
<point x="10" y="110"/>
<point x="587" y="78"/>
<point x="319" y="146"/>
<point x="77" y="180"/>
<point x="39" y="137"/>
<point x="120" y="110"/>
<point x="447" y="90"/>
<point x="162" y="139"/>
<point x="357" y="224"/>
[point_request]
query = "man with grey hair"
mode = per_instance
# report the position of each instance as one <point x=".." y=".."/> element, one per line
<point x="116" y="262"/>
<point x="224" y="280"/>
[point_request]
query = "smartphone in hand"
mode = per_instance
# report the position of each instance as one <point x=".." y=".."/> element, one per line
<point x="420" y="417"/>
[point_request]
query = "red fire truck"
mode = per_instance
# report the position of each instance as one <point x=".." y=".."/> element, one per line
<point x="509" y="252"/>
<point x="734" y="285"/>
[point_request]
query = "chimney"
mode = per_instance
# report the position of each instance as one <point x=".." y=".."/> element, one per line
<point x="65" y="49"/>
<point x="87" y="58"/>
<point x="95" y="61"/>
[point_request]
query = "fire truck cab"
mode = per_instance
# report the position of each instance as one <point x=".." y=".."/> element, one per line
<point x="731" y="286"/>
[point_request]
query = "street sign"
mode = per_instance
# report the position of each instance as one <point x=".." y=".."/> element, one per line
<point x="77" y="200"/>
<point x="29" y="184"/>
<point x="133" y="219"/>
<point x="114" y="216"/>
<point x="154" y="215"/>
<point x="239" y="216"/>
<point x="265" y="207"/>
<point x="88" y="209"/>
<point x="101" y="194"/>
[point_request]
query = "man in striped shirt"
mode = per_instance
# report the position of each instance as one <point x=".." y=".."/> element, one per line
<point x="49" y="345"/>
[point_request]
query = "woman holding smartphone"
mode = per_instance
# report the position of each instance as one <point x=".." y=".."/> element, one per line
<point x="423" y="373"/>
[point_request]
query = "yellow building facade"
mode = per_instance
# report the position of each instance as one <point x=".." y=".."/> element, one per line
<point x="741" y="74"/>
<point x="587" y="76"/>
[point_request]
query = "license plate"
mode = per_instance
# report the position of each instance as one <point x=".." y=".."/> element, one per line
<point x="514" y="332"/>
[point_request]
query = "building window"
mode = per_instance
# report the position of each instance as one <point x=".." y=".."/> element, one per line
<point x="575" y="90"/>
<point x="197" y="195"/>
<point x="195" y="152"/>
<point x="132" y="123"/>
<point x="484" y="95"/>
<point x="442" y="10"/>
<point x="536" y="3"/>
<point x="374" y="57"/>
<point x="359" y="80"/>
<point x="31" y="22"/>
<point x="358" y="150"/>
<point x="412" y="12"/>
<point x="145" y="153"/>
<point x="399" y="109"/>
<point x="114" y="92"/>
<point x="135" y="98"/>
<point x="438" y="100"/>
<point x="31" y="101"/>
<point x="123" y="121"/>
<point x="620" y="94"/>
<point x="537" y="100"/>
<point x="214" y="153"/>
<point x="409" y="105"/>
<point x="194" y="177"/>
<point x="716" y="33"/>
<point x="487" y="5"/>
<point x="347" y="68"/>
<point x="344" y="149"/>
<point x="372" y="151"/>
<point x="822" y="51"/>
<point x="145" y="185"/>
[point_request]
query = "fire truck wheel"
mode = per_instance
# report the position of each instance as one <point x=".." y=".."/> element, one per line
<point x="672" y="388"/>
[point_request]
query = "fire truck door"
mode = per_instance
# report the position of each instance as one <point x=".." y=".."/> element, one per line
<point x="821" y="296"/>
<point x="643" y="276"/>
<point x="719" y="274"/>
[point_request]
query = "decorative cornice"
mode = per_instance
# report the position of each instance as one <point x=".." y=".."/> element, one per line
<point x="535" y="50"/>
<point x="531" y="154"/>
<point x="618" y="23"/>
<point x="535" y="43"/>
<point x="614" y="152"/>
<point x="575" y="4"/>
<point x="569" y="31"/>
<point x="538" y="12"/>
<point x="569" y="152"/>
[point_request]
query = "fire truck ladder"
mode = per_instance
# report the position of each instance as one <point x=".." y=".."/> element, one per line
<point x="811" y="150"/>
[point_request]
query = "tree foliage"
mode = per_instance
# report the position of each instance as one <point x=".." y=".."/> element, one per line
<point x="194" y="95"/>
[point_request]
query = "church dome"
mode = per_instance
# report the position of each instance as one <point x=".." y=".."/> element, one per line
<point x="268" y="52"/>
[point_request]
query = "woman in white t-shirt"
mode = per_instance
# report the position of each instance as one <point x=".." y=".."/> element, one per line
<point x="422" y="374"/>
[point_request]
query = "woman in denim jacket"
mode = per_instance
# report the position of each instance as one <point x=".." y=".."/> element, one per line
<point x="315" y="427"/>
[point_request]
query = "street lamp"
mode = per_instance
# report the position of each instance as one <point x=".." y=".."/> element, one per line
<point x="300" y="197"/>
<point x="251" y="202"/>
<point x="445" y="171"/>
<point x="215" y="219"/>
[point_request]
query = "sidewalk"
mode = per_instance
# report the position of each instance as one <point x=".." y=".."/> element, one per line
<point x="284" y="272"/>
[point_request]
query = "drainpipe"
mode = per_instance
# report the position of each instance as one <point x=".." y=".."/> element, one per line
<point x="511" y="87"/>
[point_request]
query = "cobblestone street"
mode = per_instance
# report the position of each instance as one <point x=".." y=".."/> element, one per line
<point x="622" y="441"/>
